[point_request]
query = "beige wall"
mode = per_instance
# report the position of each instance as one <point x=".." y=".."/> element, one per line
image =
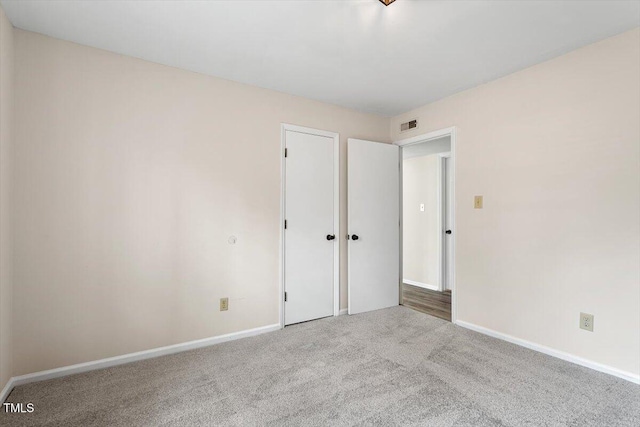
<point x="555" y="150"/>
<point x="130" y="177"/>
<point x="421" y="244"/>
<point x="6" y="112"/>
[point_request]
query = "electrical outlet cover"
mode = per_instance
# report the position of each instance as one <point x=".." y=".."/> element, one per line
<point x="586" y="321"/>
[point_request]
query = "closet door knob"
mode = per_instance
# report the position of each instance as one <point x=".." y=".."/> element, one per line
<point x="331" y="236"/>
<point x="448" y="232"/>
<point x="354" y="237"/>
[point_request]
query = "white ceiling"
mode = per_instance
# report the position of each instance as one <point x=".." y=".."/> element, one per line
<point x="358" y="54"/>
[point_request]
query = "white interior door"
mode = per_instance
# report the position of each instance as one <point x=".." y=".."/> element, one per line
<point x="448" y="223"/>
<point x="309" y="235"/>
<point x="374" y="225"/>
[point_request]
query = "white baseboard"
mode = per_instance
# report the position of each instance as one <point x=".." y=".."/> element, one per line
<point x="130" y="357"/>
<point x="421" y="285"/>
<point x="6" y="390"/>
<point x="343" y="312"/>
<point x="553" y="352"/>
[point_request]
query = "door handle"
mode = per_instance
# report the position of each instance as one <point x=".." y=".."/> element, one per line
<point x="331" y="236"/>
<point x="354" y="237"/>
<point x="448" y="232"/>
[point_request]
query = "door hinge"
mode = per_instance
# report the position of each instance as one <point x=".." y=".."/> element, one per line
<point x="285" y="297"/>
<point x="286" y="152"/>
<point x="285" y="224"/>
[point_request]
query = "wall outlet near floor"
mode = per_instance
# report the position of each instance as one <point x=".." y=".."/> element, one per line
<point x="477" y="202"/>
<point x="224" y="304"/>
<point x="586" y="321"/>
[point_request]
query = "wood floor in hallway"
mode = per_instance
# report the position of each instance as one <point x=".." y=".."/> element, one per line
<point x="426" y="301"/>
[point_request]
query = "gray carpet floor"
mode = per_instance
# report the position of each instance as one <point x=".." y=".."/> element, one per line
<point x="388" y="367"/>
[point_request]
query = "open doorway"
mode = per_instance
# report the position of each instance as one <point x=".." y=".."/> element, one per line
<point x="427" y="283"/>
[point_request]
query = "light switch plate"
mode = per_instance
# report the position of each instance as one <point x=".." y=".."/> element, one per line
<point x="477" y="202"/>
<point x="421" y="207"/>
<point x="224" y="304"/>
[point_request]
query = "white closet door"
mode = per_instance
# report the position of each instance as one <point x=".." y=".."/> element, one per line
<point x="374" y="225"/>
<point x="309" y="213"/>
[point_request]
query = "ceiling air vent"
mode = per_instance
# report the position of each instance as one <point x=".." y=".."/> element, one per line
<point x="411" y="124"/>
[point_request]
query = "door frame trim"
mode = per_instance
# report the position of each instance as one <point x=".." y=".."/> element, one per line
<point x="426" y="137"/>
<point x="284" y="127"/>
